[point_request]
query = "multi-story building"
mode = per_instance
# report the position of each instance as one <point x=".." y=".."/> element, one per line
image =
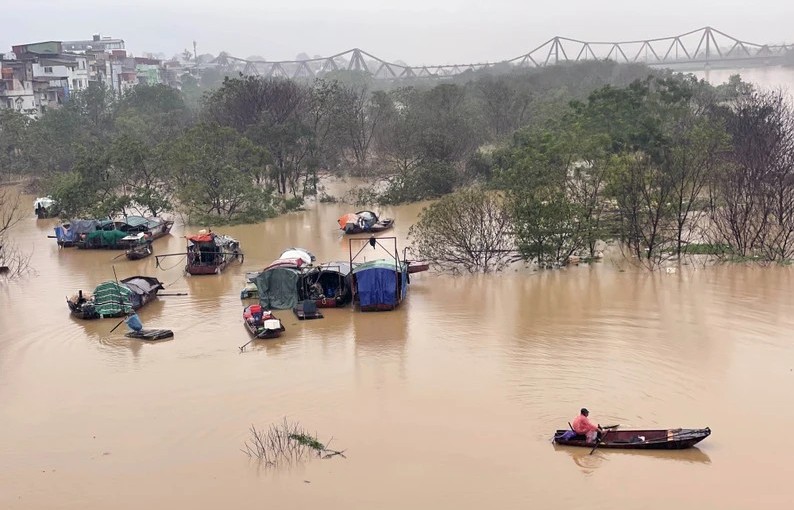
<point x="96" y="44"/>
<point x="44" y="75"/>
<point x="16" y="87"/>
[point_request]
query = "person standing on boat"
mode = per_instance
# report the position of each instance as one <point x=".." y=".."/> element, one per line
<point x="582" y="425"/>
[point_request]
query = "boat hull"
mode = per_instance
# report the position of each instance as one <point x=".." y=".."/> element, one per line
<point x="204" y="269"/>
<point x="139" y="252"/>
<point x="380" y="226"/>
<point x="257" y="329"/>
<point x="658" y="439"/>
<point x="150" y="335"/>
<point x="416" y="266"/>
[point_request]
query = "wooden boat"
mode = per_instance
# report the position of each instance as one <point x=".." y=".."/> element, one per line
<point x="150" y="334"/>
<point x="306" y="310"/>
<point x="382" y="284"/>
<point x="261" y="323"/>
<point x="115" y="299"/>
<point x="109" y="234"/>
<point x="208" y="253"/>
<point x="329" y="285"/>
<point x="44" y="207"/>
<point x="140" y="246"/>
<point x="364" y="222"/>
<point x="417" y="266"/>
<point x="138" y="252"/>
<point x="651" y="439"/>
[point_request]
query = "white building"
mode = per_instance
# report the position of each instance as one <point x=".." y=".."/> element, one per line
<point x="69" y="71"/>
<point x="16" y="87"/>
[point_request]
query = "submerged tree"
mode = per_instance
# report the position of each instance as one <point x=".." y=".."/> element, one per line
<point x="13" y="261"/>
<point x="755" y="193"/>
<point x="214" y="167"/>
<point x="468" y="230"/>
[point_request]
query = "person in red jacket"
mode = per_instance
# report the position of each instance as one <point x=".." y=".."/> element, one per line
<point x="582" y="425"/>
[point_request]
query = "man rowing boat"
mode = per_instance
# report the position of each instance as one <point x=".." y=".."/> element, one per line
<point x="583" y="426"/>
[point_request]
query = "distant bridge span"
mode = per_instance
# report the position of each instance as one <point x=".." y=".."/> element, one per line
<point x="702" y="47"/>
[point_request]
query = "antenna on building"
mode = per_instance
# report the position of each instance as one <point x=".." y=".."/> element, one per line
<point x="195" y="53"/>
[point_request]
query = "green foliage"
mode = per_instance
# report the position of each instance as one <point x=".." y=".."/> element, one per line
<point x="13" y="126"/>
<point x="213" y="167"/>
<point x="706" y="249"/>
<point x="429" y="180"/>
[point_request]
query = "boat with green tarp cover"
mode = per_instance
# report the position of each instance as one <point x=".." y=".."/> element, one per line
<point x="109" y="234"/>
<point x="114" y="299"/>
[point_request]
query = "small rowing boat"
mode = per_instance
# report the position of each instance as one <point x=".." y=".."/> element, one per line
<point x="651" y="439"/>
<point x="261" y="323"/>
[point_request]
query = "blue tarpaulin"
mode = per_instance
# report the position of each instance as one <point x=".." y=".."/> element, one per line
<point x="377" y="283"/>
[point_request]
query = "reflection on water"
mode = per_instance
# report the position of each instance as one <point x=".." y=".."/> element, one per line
<point x="447" y="402"/>
<point x="588" y="463"/>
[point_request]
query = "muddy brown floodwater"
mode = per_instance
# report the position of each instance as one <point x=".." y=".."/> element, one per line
<point x="448" y="402"/>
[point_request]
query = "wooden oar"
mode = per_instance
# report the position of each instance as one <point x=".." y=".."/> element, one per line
<point x="117" y="325"/>
<point x="246" y="344"/>
<point x="599" y="440"/>
<point x="173" y="294"/>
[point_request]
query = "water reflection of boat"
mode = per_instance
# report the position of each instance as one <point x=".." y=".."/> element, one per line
<point x="651" y="439"/>
<point x="583" y="459"/>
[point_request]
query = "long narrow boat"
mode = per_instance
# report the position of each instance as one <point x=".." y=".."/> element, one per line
<point x="652" y="439"/>
<point x="109" y="234"/>
<point x="261" y="323"/>
<point x="112" y="299"/>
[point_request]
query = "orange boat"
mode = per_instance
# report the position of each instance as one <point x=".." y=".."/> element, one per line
<point x="364" y="222"/>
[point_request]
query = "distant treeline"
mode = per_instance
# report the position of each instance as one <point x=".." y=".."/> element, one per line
<point x="249" y="147"/>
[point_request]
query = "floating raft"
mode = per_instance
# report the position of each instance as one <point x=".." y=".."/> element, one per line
<point x="311" y="311"/>
<point x="151" y="334"/>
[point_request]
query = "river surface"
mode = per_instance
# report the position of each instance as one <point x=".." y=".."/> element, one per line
<point x="448" y="402"/>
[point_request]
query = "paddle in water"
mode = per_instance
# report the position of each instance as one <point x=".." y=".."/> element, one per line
<point x="606" y="430"/>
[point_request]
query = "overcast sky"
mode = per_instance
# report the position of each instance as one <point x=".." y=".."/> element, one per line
<point x="415" y="31"/>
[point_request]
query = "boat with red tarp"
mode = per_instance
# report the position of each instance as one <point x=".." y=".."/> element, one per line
<point x="650" y="439"/>
<point x="261" y="323"/>
<point x="208" y="253"/>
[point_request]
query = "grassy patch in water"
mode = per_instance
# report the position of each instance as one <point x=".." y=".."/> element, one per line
<point x="706" y="249"/>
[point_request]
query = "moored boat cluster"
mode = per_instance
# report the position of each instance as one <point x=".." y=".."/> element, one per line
<point x="295" y="281"/>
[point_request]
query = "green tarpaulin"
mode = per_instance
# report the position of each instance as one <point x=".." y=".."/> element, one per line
<point x="101" y="238"/>
<point x="112" y="299"/>
<point x="278" y="288"/>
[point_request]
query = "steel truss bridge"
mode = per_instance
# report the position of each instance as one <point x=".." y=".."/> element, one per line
<point x="699" y="48"/>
